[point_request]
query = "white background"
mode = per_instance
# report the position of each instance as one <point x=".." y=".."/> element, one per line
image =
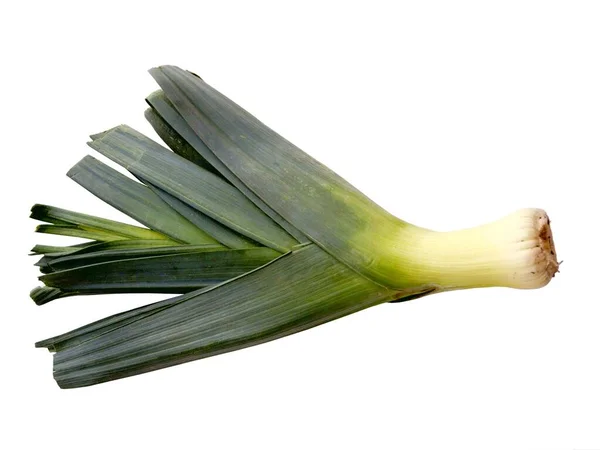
<point x="448" y="114"/>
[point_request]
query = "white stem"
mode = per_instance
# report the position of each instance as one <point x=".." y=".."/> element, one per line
<point x="516" y="251"/>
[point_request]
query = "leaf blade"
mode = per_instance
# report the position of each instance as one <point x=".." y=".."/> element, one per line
<point x="165" y="109"/>
<point x="135" y="200"/>
<point x="175" y="142"/>
<point x="54" y="215"/>
<point x="195" y="186"/>
<point x="178" y="272"/>
<point x="313" y="288"/>
<point x="213" y="228"/>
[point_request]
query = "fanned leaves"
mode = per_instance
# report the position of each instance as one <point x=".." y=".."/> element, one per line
<point x="135" y="200"/>
<point x="299" y="290"/>
<point x="170" y="115"/>
<point x="219" y="232"/>
<point x="303" y="191"/>
<point x="194" y="186"/>
<point x="242" y="195"/>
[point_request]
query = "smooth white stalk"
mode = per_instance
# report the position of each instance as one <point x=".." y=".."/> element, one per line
<point x="516" y="251"/>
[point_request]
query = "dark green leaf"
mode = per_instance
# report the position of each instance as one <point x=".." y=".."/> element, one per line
<point x="166" y="110"/>
<point x="175" y="142"/>
<point x="224" y="235"/>
<point x="192" y="185"/>
<point x="171" y="273"/>
<point x="135" y="200"/>
<point x="297" y="291"/>
<point x="97" y="255"/>
<point x="59" y="216"/>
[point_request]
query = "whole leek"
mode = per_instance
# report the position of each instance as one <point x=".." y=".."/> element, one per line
<point x="258" y="238"/>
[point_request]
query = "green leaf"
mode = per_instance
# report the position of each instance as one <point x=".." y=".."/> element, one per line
<point x="99" y="254"/>
<point x="44" y="294"/>
<point x="297" y="291"/>
<point x="54" y="250"/>
<point x="102" y="326"/>
<point x="178" y="272"/>
<point x="59" y="216"/>
<point x="192" y="185"/>
<point x="175" y="142"/>
<point x="135" y="244"/>
<point x="163" y="107"/>
<point x="79" y="231"/>
<point x="98" y="248"/>
<point x="224" y="235"/>
<point x="135" y="200"/>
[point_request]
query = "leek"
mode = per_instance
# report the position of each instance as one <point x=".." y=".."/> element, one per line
<point x="259" y="239"/>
